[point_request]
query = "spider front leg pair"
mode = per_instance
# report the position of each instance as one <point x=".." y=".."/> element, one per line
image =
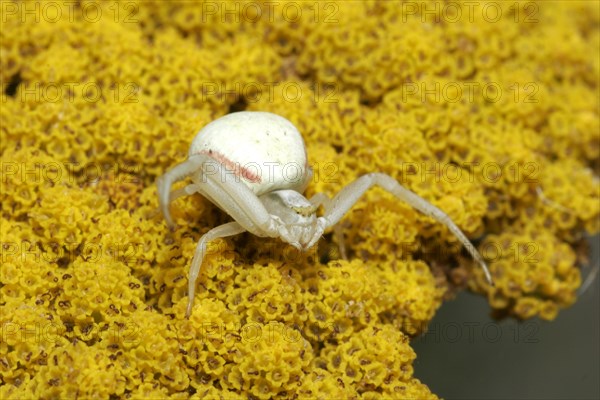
<point x="232" y="197"/>
<point x="228" y="162"/>
<point x="336" y="208"/>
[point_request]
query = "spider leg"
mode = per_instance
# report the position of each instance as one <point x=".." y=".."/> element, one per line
<point x="232" y="195"/>
<point x="338" y="232"/>
<point x="184" y="191"/>
<point x="175" y="194"/>
<point x="167" y="180"/>
<point x="225" y="230"/>
<point x="220" y="186"/>
<point x="322" y="199"/>
<point x="220" y="199"/>
<point x="349" y="195"/>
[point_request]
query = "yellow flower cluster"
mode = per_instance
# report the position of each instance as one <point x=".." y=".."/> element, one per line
<point x="374" y="358"/>
<point x="487" y="110"/>
<point x="535" y="271"/>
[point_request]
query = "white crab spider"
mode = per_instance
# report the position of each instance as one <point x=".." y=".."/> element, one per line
<point x="253" y="166"/>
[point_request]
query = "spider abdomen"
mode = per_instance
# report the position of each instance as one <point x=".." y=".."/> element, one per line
<point x="262" y="149"/>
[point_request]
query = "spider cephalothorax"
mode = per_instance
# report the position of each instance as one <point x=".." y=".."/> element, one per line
<point x="253" y="166"/>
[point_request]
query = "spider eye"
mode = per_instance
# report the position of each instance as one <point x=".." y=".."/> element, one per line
<point x="304" y="211"/>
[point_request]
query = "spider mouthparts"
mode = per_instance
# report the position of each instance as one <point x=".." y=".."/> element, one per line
<point x="300" y="246"/>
